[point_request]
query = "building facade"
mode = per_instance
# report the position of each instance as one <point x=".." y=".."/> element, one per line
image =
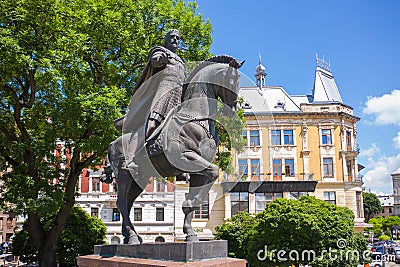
<point x="396" y="192"/>
<point x="152" y="213"/>
<point x="302" y="144"/>
<point x="387" y="203"/>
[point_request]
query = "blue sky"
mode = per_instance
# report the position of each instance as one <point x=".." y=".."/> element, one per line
<point x="360" y="38"/>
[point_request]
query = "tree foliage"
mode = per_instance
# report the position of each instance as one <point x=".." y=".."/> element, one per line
<point x="79" y="236"/>
<point x="230" y="133"/>
<point x="372" y="205"/>
<point x="383" y="225"/>
<point x="237" y="231"/>
<point x="288" y="225"/>
<point x="67" y="70"/>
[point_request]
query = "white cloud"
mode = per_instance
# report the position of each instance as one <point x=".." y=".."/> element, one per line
<point x="396" y="141"/>
<point x="378" y="177"/>
<point x="385" y="108"/>
<point x="371" y="152"/>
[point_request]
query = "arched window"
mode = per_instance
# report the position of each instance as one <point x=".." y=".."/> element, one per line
<point x="115" y="240"/>
<point x="159" y="239"/>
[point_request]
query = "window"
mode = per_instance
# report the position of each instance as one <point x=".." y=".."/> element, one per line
<point x="95" y="184"/>
<point x="276" y="137"/>
<point x="328" y="167"/>
<point x="244" y="134"/>
<point x="137" y="214"/>
<point x="116" y="215"/>
<point x="390" y="210"/>
<point x="349" y="165"/>
<point x="159" y="214"/>
<point x="94" y="212"/>
<point x="289" y="167"/>
<point x="297" y="195"/>
<point x="330" y="197"/>
<point x="262" y="199"/>
<point x="254" y="138"/>
<point x="115" y="240"/>
<point x="202" y="211"/>
<point x="348" y="140"/>
<point x="9" y="222"/>
<point x="326" y="137"/>
<point x="255" y="167"/>
<point x="288" y="137"/>
<point x="277" y="169"/>
<point x="243" y="168"/>
<point x="239" y="202"/>
<point x="160" y="185"/>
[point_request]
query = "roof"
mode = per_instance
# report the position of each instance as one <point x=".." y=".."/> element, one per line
<point x="274" y="99"/>
<point x="325" y="89"/>
<point x="386" y="200"/>
<point x="271" y="98"/>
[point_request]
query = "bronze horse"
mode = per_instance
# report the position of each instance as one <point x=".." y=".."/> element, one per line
<point x="185" y="143"/>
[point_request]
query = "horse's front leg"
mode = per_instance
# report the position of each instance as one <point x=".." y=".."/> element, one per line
<point x="188" y="209"/>
<point x="200" y="185"/>
<point x="124" y="183"/>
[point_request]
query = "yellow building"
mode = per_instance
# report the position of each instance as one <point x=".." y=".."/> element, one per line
<point x="295" y="145"/>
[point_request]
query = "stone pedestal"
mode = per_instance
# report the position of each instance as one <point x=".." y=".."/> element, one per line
<point x="204" y="253"/>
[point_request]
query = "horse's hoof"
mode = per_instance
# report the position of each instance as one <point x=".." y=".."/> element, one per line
<point x="135" y="240"/>
<point x="191" y="238"/>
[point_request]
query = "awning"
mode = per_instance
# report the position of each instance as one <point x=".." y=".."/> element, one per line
<point x="269" y="186"/>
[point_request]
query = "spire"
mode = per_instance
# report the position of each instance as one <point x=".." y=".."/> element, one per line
<point x="260" y="73"/>
<point x="325" y="89"/>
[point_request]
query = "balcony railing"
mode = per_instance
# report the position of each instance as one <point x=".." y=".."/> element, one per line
<point x="270" y="176"/>
<point x="355" y="179"/>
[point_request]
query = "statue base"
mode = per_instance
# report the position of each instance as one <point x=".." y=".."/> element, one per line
<point x="204" y="253"/>
<point x="99" y="261"/>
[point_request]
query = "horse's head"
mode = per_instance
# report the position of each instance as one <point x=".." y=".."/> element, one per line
<point x="227" y="91"/>
<point x="218" y="76"/>
<point x="222" y="73"/>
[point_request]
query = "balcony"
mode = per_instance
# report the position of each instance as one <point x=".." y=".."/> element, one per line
<point x="351" y="151"/>
<point x="355" y="181"/>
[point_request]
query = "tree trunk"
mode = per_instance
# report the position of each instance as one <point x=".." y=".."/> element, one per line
<point x="48" y="256"/>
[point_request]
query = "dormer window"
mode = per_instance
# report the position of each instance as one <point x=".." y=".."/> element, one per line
<point x="280" y="104"/>
<point x="246" y="105"/>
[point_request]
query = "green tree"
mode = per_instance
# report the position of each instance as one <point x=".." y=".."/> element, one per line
<point x="80" y="234"/>
<point x="67" y="69"/>
<point x="230" y="133"/>
<point x="303" y="225"/>
<point x="237" y="231"/>
<point x="372" y="205"/>
<point x="377" y="223"/>
<point x="389" y="223"/>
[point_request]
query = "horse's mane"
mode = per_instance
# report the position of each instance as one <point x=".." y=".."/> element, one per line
<point x="224" y="59"/>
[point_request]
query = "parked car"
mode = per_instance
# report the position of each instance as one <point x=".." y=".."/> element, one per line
<point x="377" y="259"/>
<point x="397" y="256"/>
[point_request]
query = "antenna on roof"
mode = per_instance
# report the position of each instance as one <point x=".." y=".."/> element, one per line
<point x="321" y="63"/>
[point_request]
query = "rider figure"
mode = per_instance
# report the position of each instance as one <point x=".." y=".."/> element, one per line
<point x="168" y="91"/>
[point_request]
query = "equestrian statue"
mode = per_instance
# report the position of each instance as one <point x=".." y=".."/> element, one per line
<point x="170" y="129"/>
